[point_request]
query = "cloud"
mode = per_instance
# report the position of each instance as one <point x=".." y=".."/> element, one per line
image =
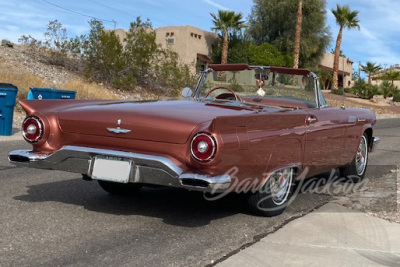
<point x="215" y="4"/>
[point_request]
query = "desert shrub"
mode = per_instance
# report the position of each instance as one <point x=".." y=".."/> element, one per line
<point x="34" y="46"/>
<point x="102" y="57"/>
<point x="371" y="91"/>
<point x="387" y="89"/>
<point x="364" y="90"/>
<point x="171" y="76"/>
<point x="337" y="91"/>
<point x="56" y="43"/>
<point x="396" y="96"/>
<point x="349" y="90"/>
<point x="102" y="51"/>
<point x="56" y="49"/>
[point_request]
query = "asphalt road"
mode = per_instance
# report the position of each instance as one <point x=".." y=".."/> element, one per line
<point x="51" y="218"/>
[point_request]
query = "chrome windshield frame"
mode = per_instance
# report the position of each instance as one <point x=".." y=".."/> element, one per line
<point x="318" y="94"/>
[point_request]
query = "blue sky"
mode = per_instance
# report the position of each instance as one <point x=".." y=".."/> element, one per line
<point x="377" y="41"/>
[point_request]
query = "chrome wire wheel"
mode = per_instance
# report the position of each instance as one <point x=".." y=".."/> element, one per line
<point x="361" y="156"/>
<point x="280" y="184"/>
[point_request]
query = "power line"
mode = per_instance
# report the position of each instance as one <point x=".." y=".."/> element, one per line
<point x="120" y="11"/>
<point x="81" y="14"/>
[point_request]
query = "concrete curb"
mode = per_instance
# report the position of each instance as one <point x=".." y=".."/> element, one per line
<point x="15" y="136"/>
<point x="387" y="116"/>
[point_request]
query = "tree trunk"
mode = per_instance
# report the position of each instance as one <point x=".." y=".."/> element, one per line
<point x="224" y="59"/>
<point x="297" y="39"/>
<point x="336" y="60"/>
<point x="369" y="78"/>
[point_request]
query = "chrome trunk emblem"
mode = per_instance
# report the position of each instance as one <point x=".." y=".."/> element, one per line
<point x="118" y="130"/>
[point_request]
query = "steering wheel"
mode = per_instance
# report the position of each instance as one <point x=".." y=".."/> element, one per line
<point x="237" y="98"/>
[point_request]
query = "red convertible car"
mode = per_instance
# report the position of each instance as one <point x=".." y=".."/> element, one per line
<point x="251" y="129"/>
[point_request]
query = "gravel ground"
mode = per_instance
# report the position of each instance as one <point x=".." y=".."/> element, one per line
<point x="379" y="198"/>
<point x="381" y="108"/>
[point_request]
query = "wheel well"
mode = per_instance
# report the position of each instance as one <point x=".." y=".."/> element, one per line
<point x="369" y="136"/>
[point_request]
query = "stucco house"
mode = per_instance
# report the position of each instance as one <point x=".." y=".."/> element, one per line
<point x="192" y="44"/>
<point x="345" y="69"/>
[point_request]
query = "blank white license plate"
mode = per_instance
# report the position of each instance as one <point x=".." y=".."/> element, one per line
<point x="112" y="169"/>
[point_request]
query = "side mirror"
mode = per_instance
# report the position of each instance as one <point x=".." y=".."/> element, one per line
<point x="187" y="92"/>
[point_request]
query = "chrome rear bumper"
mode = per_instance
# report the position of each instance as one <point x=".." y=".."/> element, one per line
<point x="375" y="143"/>
<point x="149" y="169"/>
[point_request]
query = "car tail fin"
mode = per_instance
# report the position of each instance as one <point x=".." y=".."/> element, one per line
<point x="32" y="106"/>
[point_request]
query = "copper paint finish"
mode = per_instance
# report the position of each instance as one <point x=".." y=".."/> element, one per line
<point x="255" y="142"/>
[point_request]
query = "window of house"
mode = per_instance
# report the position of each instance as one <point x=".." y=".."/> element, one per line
<point x="170" y="41"/>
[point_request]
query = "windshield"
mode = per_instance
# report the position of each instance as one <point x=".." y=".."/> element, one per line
<point x="261" y="86"/>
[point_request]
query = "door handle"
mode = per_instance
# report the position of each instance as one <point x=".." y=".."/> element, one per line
<point x="311" y="119"/>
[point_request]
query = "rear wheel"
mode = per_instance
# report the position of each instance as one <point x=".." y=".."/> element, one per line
<point x="119" y="188"/>
<point x="272" y="199"/>
<point x="355" y="171"/>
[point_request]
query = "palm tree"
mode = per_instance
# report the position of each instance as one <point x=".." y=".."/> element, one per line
<point x="345" y="18"/>
<point x="298" y="35"/>
<point x="370" y="68"/>
<point x="225" y="22"/>
<point x="391" y="75"/>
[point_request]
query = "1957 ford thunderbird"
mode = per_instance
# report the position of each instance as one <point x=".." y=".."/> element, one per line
<point x="252" y="129"/>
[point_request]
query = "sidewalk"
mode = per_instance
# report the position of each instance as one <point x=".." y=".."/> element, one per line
<point x="15" y="136"/>
<point x="330" y="236"/>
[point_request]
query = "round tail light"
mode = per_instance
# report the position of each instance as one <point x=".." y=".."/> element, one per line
<point x="203" y="147"/>
<point x="32" y="129"/>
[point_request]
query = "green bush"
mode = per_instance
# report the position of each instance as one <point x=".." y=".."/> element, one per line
<point x="364" y="90"/>
<point x="349" y="90"/>
<point x="396" y="95"/>
<point x="360" y="88"/>
<point x="236" y="87"/>
<point x="337" y="91"/>
<point x="387" y="88"/>
<point x="265" y="55"/>
<point x="371" y="91"/>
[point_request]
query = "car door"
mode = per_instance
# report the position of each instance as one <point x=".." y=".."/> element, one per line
<point x="325" y="135"/>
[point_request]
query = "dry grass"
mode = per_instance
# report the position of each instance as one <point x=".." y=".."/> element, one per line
<point x="23" y="81"/>
<point x="85" y="90"/>
<point x="26" y="80"/>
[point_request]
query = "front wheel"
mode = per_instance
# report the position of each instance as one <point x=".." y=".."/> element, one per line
<point x="273" y="198"/>
<point x="355" y="171"/>
<point x="118" y="188"/>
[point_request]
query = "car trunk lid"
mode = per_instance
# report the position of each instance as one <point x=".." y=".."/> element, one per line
<point x="170" y="122"/>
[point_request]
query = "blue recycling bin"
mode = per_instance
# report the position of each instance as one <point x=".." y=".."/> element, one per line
<point x="8" y="95"/>
<point x="64" y="94"/>
<point x="50" y="93"/>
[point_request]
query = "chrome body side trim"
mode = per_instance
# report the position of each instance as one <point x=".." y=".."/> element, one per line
<point x="149" y="169"/>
